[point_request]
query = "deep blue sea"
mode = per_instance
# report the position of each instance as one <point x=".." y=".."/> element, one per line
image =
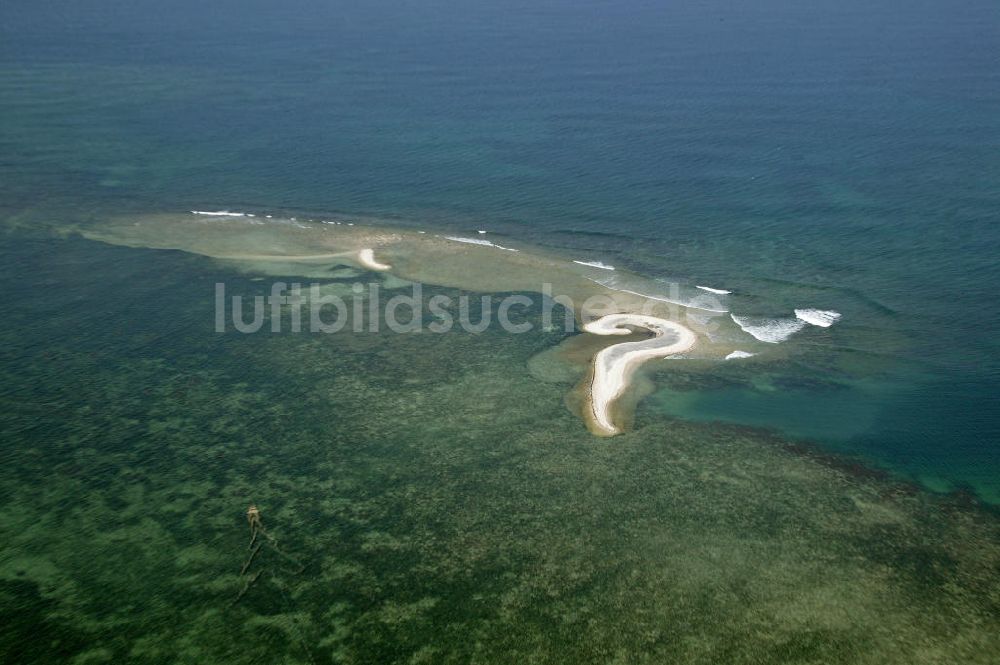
<point x="844" y="155"/>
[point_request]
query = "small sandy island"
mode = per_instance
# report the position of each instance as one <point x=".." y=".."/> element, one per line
<point x="366" y="257"/>
<point x="615" y="365"/>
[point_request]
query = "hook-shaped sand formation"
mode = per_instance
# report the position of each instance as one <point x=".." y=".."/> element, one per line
<point x="615" y="365"/>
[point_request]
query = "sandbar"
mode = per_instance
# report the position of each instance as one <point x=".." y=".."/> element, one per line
<point x="615" y="365"/>
<point x="367" y="258"/>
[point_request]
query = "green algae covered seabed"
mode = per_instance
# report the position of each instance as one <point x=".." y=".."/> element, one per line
<point x="426" y="499"/>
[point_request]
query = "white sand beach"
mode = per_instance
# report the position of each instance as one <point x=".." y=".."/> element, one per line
<point x="615" y="365"/>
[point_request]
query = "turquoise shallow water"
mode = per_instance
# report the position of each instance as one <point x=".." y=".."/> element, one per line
<point x="430" y="498"/>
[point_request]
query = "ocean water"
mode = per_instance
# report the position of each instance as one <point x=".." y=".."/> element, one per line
<point x="839" y="156"/>
<point x="843" y="157"/>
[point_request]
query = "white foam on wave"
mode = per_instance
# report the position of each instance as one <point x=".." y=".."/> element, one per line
<point x="772" y="331"/>
<point x="721" y="292"/>
<point x="818" y="317"/>
<point x="219" y="213"/>
<point x="688" y="304"/>
<point x="739" y="354"/>
<point x="477" y="241"/>
<point x="595" y="264"/>
<point x="611" y="282"/>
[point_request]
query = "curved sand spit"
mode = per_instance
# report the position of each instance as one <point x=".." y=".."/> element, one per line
<point x="615" y="365"/>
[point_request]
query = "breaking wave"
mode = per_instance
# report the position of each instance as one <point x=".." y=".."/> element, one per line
<point x="478" y="241"/>
<point x="818" y="317"/>
<point x="772" y="331"/>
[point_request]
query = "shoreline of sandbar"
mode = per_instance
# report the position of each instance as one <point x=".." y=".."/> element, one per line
<point x="614" y="366"/>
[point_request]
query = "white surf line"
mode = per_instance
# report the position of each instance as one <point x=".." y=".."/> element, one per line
<point x="615" y="365"/>
<point x="220" y="213"/>
<point x="367" y="258"/>
<point x="735" y="355"/>
<point x="721" y="292"/>
<point x="672" y="302"/>
<point x="595" y="264"/>
<point x="477" y="241"/>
